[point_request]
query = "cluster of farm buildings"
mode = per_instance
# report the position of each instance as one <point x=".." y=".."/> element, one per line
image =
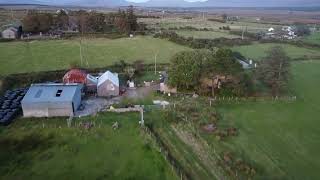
<point x="63" y="99"/>
<point x="286" y="32"/>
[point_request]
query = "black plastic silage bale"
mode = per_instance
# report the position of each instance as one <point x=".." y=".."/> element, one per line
<point x="5" y="121"/>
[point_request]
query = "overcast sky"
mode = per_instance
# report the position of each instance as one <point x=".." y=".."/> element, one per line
<point x="212" y="3"/>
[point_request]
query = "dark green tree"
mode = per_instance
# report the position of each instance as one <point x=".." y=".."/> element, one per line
<point x="37" y="22"/>
<point x="131" y="20"/>
<point x="274" y="70"/>
<point x="301" y="30"/>
<point x="185" y="69"/>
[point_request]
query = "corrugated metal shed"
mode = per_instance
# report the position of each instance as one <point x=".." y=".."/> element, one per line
<point x="48" y="100"/>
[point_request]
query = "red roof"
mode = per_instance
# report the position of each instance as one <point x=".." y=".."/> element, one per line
<point x="75" y="76"/>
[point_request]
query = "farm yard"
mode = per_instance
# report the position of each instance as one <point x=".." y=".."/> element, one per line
<point x="37" y="148"/>
<point x="33" y="56"/>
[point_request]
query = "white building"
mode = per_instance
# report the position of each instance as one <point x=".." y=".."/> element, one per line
<point x="271" y="29"/>
<point x="10" y="33"/>
<point x="108" y="84"/>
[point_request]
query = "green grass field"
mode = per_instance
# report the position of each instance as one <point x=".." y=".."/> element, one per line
<point x="18" y="57"/>
<point x="199" y="22"/>
<point x="258" y="51"/>
<point x="281" y="138"/>
<point x="313" y="38"/>
<point x="206" y="34"/>
<point x="29" y="151"/>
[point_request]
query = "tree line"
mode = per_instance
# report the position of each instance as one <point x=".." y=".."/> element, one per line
<point x="218" y="72"/>
<point x="123" y="21"/>
<point x="197" y="70"/>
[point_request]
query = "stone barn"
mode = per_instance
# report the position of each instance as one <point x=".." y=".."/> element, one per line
<point x="10" y="33"/>
<point x="51" y="100"/>
<point x="108" y="84"/>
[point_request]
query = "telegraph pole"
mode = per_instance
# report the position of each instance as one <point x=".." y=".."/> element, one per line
<point x="155" y="63"/>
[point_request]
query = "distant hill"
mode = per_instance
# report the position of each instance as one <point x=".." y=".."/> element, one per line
<point x="20" y="2"/>
<point x="98" y="3"/>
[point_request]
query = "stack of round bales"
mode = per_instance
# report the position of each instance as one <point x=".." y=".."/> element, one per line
<point x="10" y="105"/>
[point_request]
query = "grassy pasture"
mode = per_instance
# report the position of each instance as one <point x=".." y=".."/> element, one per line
<point x="29" y="151"/>
<point x="279" y="139"/>
<point x="199" y="22"/>
<point x="257" y="51"/>
<point x="206" y="34"/>
<point x="18" y="57"/>
<point x="282" y="138"/>
<point x="313" y="38"/>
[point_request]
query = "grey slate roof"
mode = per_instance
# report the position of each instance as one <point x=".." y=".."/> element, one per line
<point x="42" y="93"/>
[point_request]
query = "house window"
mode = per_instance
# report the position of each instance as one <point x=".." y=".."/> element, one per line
<point x="59" y="92"/>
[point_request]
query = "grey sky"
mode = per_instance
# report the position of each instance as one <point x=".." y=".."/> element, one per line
<point x="185" y="3"/>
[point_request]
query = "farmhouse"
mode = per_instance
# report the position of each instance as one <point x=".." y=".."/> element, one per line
<point x="10" y="33"/>
<point x="108" y="84"/>
<point x="51" y="100"/>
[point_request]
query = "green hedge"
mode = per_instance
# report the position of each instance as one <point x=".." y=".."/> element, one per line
<point x="201" y="43"/>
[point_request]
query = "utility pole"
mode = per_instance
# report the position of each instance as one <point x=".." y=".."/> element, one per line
<point x="80" y="51"/>
<point x="11" y="14"/>
<point x="242" y="36"/>
<point x="142" y="119"/>
<point x="155" y="63"/>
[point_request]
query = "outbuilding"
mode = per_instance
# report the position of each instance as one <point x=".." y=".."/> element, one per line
<point x="81" y="77"/>
<point x="108" y="84"/>
<point x="75" y="76"/>
<point x="10" y="33"/>
<point x="51" y="100"/>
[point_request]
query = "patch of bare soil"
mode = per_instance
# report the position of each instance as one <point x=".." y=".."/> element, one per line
<point x="202" y="150"/>
<point x="140" y="92"/>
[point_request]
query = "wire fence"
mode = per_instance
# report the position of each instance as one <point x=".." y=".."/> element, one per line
<point x="165" y="151"/>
